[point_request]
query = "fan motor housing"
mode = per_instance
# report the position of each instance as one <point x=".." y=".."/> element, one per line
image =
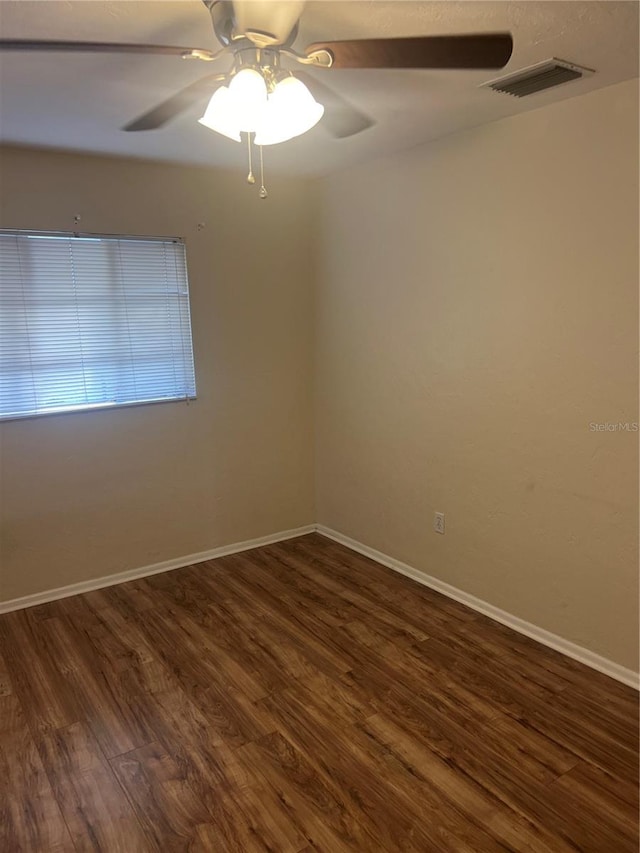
<point x="264" y="24"/>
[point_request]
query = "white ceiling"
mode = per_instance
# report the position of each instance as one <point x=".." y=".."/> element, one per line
<point x="80" y="101"/>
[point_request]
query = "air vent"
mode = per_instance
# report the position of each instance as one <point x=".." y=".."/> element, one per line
<point x="537" y="78"/>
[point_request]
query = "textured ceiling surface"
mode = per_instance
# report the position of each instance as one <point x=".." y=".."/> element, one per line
<point x="81" y="101"/>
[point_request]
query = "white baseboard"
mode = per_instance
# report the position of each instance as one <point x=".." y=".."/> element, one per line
<point x="145" y="571"/>
<point x="585" y="656"/>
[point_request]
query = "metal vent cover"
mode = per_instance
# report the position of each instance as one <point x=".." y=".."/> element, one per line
<point x="537" y="78"/>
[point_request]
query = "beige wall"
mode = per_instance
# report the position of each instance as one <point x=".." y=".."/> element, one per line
<point x="477" y="310"/>
<point x="85" y="495"/>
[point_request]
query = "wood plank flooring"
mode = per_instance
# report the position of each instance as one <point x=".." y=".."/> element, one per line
<point x="300" y="697"/>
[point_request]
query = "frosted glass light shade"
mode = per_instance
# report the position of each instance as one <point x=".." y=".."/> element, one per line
<point x="248" y="92"/>
<point x="291" y="111"/>
<point x="220" y="115"/>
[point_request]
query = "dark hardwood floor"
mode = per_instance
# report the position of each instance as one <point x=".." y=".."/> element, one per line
<point x="300" y="697"/>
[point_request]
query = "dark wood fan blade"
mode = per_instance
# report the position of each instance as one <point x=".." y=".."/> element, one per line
<point x="340" y="118"/>
<point x="176" y="104"/>
<point x="103" y="47"/>
<point x="487" y="50"/>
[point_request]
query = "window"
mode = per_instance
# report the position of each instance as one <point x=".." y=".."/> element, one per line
<point x="92" y="321"/>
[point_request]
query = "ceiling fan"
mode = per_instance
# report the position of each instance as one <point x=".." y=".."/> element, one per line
<point x="263" y="97"/>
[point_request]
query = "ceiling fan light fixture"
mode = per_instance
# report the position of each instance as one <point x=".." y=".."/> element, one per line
<point x="245" y="107"/>
<point x="291" y="111"/>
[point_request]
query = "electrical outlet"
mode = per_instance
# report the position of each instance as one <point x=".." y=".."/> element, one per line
<point x="438" y="522"/>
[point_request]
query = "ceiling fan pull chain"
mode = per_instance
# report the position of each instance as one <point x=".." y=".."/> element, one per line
<point x="250" y="177"/>
<point x="263" y="192"/>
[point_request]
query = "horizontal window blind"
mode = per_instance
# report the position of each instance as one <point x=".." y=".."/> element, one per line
<point x="92" y="321"/>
